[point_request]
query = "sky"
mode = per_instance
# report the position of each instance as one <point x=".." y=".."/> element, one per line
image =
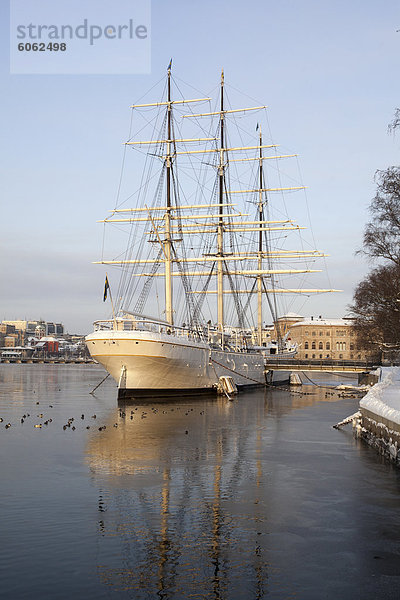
<point x="328" y="72"/>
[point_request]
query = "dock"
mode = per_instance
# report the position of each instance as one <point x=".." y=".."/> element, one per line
<point x="47" y="360"/>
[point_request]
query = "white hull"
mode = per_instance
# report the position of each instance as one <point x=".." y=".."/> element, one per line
<point x="148" y="363"/>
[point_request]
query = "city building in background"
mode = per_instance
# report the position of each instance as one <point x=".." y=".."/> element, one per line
<point x="34" y="327"/>
<point x="39" y="338"/>
<point x="322" y="339"/>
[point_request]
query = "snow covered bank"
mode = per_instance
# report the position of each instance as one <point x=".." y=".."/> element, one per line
<point x="383" y="399"/>
<point x="379" y="421"/>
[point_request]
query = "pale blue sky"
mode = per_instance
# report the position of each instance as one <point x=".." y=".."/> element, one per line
<point x="329" y="72"/>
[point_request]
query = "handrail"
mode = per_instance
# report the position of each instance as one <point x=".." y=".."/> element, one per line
<point x="229" y="338"/>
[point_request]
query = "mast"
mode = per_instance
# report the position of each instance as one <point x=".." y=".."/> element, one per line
<point x="220" y="231"/>
<point x="170" y="221"/>
<point x="260" y="246"/>
<point x="169" y="313"/>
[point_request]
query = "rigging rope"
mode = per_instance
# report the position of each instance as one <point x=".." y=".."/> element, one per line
<point x="236" y="299"/>
<point x="144" y="294"/>
<point x="200" y="301"/>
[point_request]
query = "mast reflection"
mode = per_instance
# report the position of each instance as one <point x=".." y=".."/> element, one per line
<point x="184" y="495"/>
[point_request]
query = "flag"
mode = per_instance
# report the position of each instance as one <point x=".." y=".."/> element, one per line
<point x="257" y="126"/>
<point x="106" y="288"/>
<point x="170" y="65"/>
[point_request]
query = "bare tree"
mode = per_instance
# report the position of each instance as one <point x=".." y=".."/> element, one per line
<point x="376" y="309"/>
<point x="395" y="123"/>
<point x="382" y="233"/>
<point x="376" y="301"/>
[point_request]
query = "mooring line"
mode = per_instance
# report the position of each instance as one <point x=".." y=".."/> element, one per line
<point x="236" y="372"/>
<point x="102" y="381"/>
<point x="325" y="387"/>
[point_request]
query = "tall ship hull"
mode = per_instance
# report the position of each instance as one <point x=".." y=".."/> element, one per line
<point x="150" y="363"/>
<point x="204" y="253"/>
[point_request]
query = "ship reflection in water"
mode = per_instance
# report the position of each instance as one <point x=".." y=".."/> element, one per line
<point x="199" y="498"/>
<point x="193" y="495"/>
<point x="184" y="504"/>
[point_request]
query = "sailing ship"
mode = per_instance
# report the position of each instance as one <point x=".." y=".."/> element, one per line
<point x="188" y="235"/>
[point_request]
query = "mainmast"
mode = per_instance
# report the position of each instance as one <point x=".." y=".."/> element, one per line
<point x="169" y="313"/>
<point x="220" y="231"/>
<point x="260" y="245"/>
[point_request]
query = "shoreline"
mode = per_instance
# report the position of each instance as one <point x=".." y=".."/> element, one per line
<point x="378" y="420"/>
<point x="41" y="361"/>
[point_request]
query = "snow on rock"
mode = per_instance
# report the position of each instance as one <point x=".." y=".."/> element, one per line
<point x="355" y="388"/>
<point x="354" y="419"/>
<point x="383" y="399"/>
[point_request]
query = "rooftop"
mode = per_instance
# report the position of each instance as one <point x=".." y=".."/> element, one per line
<point x="324" y="322"/>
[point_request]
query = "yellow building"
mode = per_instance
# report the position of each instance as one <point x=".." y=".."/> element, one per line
<point x="319" y="339"/>
<point x="9" y="335"/>
<point x="19" y="325"/>
<point x="10" y="341"/>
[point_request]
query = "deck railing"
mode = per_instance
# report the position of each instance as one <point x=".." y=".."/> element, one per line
<point x="211" y="335"/>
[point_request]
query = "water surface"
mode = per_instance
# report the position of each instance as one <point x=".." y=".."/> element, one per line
<point x="196" y="498"/>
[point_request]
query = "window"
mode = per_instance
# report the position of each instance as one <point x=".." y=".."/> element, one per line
<point x="314" y="333"/>
<point x="306" y="355"/>
<point x="306" y="333"/>
<point x="340" y="355"/>
<point x="320" y="355"/>
<point x="328" y="332"/>
<point x="351" y="346"/>
<point x="328" y="345"/>
<point x="321" y="333"/>
<point x="305" y="345"/>
<point x="313" y="346"/>
<point x="320" y="346"/>
<point x="313" y="355"/>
